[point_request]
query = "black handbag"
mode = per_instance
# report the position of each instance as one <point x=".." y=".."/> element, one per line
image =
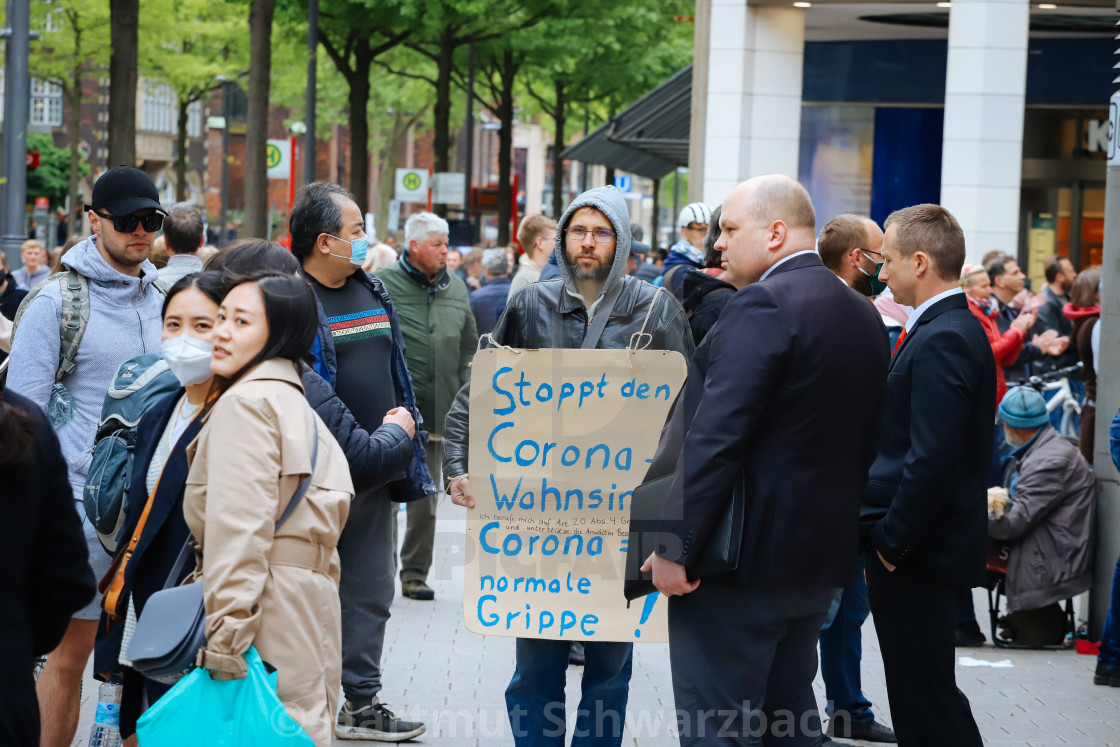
<point x="721" y="553"/>
<point x="172" y="627"/>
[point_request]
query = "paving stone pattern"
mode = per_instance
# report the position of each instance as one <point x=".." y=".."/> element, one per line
<point x="436" y="671"/>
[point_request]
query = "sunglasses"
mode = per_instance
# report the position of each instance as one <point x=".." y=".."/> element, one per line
<point x="128" y="223"/>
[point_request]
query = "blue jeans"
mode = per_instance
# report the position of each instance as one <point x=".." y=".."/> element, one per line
<point x="535" y="696"/>
<point x="842" y="650"/>
<point x="1110" y="636"/>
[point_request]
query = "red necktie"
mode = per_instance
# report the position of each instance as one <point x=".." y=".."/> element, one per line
<point x="898" y="344"/>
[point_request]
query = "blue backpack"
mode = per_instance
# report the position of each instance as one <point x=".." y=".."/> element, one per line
<point x="137" y="385"/>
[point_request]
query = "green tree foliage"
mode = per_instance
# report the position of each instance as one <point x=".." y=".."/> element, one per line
<point x="72" y="44"/>
<point x="600" y="57"/>
<point x="52" y="178"/>
<point x="193" y="45"/>
<point x="354" y="34"/>
<point x="449" y="26"/>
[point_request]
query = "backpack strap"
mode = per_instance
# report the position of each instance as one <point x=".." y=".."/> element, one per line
<point x="75" y="318"/>
<point x="74" y="299"/>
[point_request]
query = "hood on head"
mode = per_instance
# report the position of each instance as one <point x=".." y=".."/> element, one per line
<point x="608" y="201"/>
<point x="1073" y="313"/>
<point x="85" y="258"/>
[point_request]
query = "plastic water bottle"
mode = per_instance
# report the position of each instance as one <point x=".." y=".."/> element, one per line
<point x="106" y="731"/>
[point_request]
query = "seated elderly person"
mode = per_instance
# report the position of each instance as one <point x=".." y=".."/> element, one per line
<point x="1048" y="519"/>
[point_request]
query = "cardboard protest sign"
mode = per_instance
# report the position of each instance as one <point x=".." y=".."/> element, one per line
<point x="559" y="439"/>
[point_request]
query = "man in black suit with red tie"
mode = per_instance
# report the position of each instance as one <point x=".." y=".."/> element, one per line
<point x="924" y="509"/>
<point x="787" y="391"/>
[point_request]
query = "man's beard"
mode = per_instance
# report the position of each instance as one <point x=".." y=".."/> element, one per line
<point x="599" y="273"/>
<point x="862" y="284"/>
<point x="119" y="252"/>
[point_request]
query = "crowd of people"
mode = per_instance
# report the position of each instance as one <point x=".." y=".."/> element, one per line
<point x="860" y="383"/>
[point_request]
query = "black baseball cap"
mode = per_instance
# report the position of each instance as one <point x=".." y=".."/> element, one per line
<point x="123" y="190"/>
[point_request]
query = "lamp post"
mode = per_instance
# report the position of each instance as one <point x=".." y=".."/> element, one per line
<point x="227" y="112"/>
<point x="16" y="110"/>
<point x="295" y="130"/>
<point x="309" y="114"/>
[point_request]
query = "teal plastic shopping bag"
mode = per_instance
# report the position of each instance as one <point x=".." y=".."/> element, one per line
<point x="222" y="713"/>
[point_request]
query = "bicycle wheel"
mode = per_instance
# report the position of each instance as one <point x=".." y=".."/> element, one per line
<point x="1070" y="428"/>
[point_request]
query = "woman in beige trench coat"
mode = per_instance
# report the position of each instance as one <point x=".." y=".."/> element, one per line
<point x="275" y="591"/>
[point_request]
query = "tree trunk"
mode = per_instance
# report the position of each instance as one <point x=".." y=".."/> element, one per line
<point x="359" y="124"/>
<point x="387" y="166"/>
<point x="123" y="64"/>
<point x="443" y="108"/>
<point x="74" y="130"/>
<point x="256" y="118"/>
<point x="557" y="148"/>
<point x="508" y="73"/>
<point x="181" y="192"/>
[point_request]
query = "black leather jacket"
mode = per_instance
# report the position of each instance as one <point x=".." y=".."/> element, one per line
<point x="544" y="315"/>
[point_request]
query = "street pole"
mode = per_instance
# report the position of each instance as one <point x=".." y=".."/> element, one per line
<point x="13" y="149"/>
<point x="227" y="113"/>
<point x="470" y="123"/>
<point x="1108" y="383"/>
<point x="677" y="203"/>
<point x="309" y="117"/>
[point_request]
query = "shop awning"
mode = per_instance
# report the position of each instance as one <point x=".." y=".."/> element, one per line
<point x="649" y="137"/>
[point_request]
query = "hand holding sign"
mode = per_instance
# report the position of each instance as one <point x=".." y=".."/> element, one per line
<point x="461" y="494"/>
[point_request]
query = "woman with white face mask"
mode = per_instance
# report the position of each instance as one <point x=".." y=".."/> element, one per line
<point x="154" y="525"/>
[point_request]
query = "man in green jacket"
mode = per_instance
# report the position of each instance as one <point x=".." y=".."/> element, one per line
<point x="440" y="338"/>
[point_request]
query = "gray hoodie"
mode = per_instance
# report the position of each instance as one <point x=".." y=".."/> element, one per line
<point x="610" y="202"/>
<point x="124" y="321"/>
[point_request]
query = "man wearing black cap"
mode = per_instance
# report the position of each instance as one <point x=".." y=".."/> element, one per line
<point x="109" y="278"/>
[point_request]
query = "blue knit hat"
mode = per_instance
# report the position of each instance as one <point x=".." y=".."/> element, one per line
<point x="1023" y="407"/>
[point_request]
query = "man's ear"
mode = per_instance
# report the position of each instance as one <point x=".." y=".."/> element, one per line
<point x="94" y="222"/>
<point x="322" y="244"/>
<point x="922" y="264"/>
<point x="777" y="234"/>
<point x="854" y="256"/>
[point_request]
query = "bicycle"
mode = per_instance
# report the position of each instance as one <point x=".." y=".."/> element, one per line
<point x="1069" y="425"/>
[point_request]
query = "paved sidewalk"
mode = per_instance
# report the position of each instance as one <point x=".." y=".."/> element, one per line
<point x="439" y="672"/>
<point x="454" y="680"/>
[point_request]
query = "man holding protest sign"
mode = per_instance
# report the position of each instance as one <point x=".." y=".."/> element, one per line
<point x="593" y="305"/>
<point x="784" y="398"/>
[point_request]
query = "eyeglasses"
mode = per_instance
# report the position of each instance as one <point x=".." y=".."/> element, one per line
<point x="128" y="223"/>
<point x="601" y="235"/>
<point x="868" y="251"/>
<point x="698" y="227"/>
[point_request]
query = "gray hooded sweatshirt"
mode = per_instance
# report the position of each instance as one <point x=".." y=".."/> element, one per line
<point x="124" y="321"/>
<point x="610" y="202"/>
<point x="550" y="314"/>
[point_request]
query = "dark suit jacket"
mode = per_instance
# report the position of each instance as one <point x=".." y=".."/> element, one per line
<point x="165" y="531"/>
<point x="46" y="576"/>
<point x="925" y="503"/>
<point x="786" y="388"/>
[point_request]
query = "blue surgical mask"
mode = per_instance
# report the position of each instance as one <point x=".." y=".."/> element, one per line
<point x="358" y="249"/>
